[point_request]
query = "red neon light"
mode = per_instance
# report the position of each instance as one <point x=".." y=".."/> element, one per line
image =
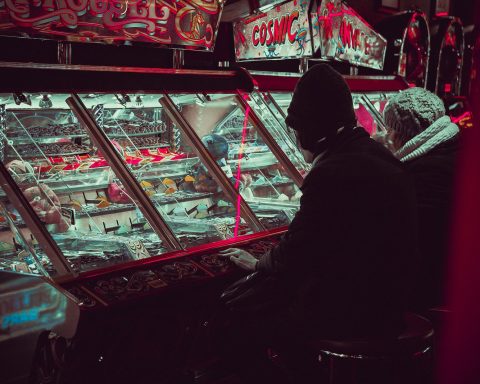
<point x="442" y="14"/>
<point x="463" y="116"/>
<point x="239" y="171"/>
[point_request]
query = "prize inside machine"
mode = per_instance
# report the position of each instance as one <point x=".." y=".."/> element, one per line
<point x="200" y="160"/>
<point x="370" y="96"/>
<point x="408" y="50"/>
<point x="19" y="249"/>
<point x="236" y="139"/>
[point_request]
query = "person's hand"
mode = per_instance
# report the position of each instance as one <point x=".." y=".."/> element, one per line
<point x="240" y="258"/>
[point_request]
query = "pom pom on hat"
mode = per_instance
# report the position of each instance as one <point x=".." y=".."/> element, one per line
<point x="413" y="111"/>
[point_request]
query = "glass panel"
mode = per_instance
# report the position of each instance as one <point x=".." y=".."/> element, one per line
<point x="266" y="109"/>
<point x="70" y="185"/>
<point x="154" y="149"/>
<point x="365" y="117"/>
<point x="283" y="101"/>
<point x="379" y="101"/>
<point x="246" y="160"/>
<point x="19" y="250"/>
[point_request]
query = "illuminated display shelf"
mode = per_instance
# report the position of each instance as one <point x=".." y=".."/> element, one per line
<point x="230" y="175"/>
<point x="212" y="178"/>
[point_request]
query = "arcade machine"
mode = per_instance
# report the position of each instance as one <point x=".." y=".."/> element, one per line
<point x="122" y="184"/>
<point x="448" y="47"/>
<point x="408" y="50"/>
<point x="108" y="177"/>
<point x="324" y="31"/>
<point x="448" y="44"/>
<point x="32" y="310"/>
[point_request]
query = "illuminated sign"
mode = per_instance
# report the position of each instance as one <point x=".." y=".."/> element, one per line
<point x="339" y="33"/>
<point x="182" y="23"/>
<point x="329" y="28"/>
<point x="283" y="32"/>
<point x="30" y="309"/>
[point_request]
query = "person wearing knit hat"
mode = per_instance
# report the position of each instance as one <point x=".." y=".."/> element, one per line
<point x="321" y="106"/>
<point x="427" y="142"/>
<point x="416" y="121"/>
<point x="335" y="271"/>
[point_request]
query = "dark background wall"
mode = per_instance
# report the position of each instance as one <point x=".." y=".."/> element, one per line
<point x="12" y="49"/>
<point x="373" y="13"/>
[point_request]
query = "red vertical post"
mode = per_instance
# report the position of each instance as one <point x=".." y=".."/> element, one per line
<point x="460" y="343"/>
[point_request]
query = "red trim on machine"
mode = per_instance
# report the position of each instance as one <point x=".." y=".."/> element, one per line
<point x="287" y="83"/>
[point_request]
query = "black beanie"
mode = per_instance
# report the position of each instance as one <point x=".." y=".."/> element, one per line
<point x="321" y="103"/>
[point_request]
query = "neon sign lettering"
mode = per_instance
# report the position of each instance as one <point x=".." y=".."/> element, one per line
<point x="282" y="32"/>
<point x="275" y="31"/>
<point x="178" y="22"/>
<point x="352" y="37"/>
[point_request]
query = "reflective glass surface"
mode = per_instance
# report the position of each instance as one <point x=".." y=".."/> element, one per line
<point x="379" y="101"/>
<point x="70" y="185"/>
<point x="227" y="132"/>
<point x="272" y="110"/>
<point x="167" y="167"/>
<point x="19" y="249"/>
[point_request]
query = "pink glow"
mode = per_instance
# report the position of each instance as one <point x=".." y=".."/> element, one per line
<point x="465" y="115"/>
<point x="239" y="170"/>
<point x="458" y="353"/>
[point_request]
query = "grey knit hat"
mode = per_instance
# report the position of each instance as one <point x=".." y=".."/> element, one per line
<point x="413" y="111"/>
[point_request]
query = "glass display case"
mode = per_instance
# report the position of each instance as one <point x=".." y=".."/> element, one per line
<point x="230" y="135"/>
<point x="110" y="178"/>
<point x="132" y="184"/>
<point x="70" y="185"/>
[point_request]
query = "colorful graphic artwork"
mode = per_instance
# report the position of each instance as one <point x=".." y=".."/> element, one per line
<point x="283" y="32"/>
<point x="339" y="33"/>
<point x="183" y="23"/>
<point x="327" y="29"/>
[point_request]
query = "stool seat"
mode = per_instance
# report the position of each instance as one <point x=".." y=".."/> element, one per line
<point x="415" y="338"/>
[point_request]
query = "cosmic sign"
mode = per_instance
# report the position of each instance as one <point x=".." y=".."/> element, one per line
<point x="283" y="32"/>
<point x="183" y="23"/>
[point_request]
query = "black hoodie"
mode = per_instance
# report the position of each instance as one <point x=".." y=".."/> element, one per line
<point x="348" y="253"/>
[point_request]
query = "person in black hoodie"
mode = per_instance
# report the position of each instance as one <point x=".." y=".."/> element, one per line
<point x="340" y="261"/>
<point x="427" y="142"/>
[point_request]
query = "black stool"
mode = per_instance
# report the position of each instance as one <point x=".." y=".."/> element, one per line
<point x="415" y="341"/>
